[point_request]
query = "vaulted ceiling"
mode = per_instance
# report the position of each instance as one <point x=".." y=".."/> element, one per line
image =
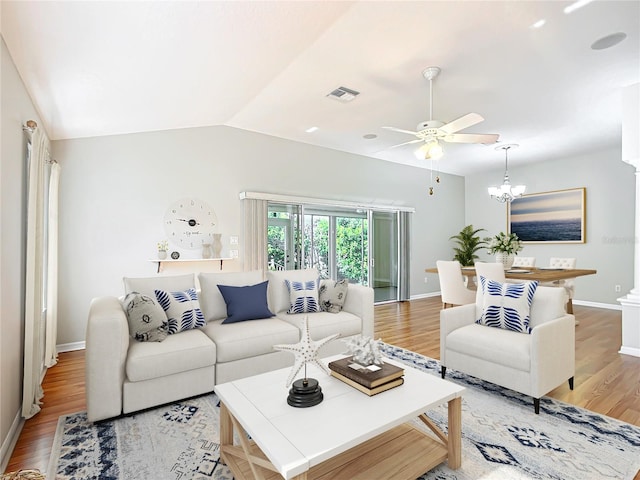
<point x="104" y="68"/>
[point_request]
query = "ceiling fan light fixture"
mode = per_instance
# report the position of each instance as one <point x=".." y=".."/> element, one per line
<point x="506" y="192"/>
<point x="430" y="151"/>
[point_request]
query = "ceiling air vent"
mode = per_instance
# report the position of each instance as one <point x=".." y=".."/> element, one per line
<point x="343" y="94"/>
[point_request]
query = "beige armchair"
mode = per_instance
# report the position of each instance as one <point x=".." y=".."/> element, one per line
<point x="452" y="288"/>
<point x="532" y="364"/>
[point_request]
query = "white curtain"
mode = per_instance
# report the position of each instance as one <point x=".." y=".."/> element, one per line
<point x="255" y="234"/>
<point x="34" y="275"/>
<point x="50" y="353"/>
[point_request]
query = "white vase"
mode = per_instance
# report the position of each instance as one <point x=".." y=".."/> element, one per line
<point x="505" y="258"/>
<point x="162" y="254"/>
<point x="217" y="245"/>
<point x="206" y="250"/>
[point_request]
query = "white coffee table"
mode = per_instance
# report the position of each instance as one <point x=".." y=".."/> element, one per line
<point x="348" y="436"/>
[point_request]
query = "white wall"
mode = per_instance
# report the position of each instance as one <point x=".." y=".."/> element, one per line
<point x="17" y="108"/>
<point x="114" y="192"/>
<point x="610" y="217"/>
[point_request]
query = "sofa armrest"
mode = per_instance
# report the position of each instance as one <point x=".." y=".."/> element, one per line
<point x="107" y="344"/>
<point x="451" y="319"/>
<point x="359" y="302"/>
<point x="552" y="354"/>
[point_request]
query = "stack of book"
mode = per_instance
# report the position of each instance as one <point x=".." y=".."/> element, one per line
<point x="370" y="379"/>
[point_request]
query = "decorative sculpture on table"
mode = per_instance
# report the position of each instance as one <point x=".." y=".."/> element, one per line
<point x="365" y="350"/>
<point x="305" y="392"/>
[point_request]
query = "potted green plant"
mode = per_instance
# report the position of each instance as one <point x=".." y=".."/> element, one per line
<point x="504" y="246"/>
<point x="468" y="243"/>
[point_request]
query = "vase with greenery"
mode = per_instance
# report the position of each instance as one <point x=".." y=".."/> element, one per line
<point x="504" y="246"/>
<point x="468" y="243"/>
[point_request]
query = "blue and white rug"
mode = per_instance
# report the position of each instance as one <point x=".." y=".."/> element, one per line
<point x="502" y="439"/>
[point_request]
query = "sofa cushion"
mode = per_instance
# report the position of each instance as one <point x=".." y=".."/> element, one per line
<point x="506" y="305"/>
<point x="332" y="295"/>
<point x="211" y="300"/>
<point x="303" y="296"/>
<point x="177" y="353"/>
<point x="245" y="303"/>
<point x="182" y="309"/>
<point x="324" y="324"/>
<point x="147" y="320"/>
<point x="249" y="339"/>
<point x="278" y="294"/>
<point x="148" y="285"/>
<point x="504" y="347"/>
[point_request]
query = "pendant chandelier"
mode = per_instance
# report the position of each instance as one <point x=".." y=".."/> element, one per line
<point x="506" y="192"/>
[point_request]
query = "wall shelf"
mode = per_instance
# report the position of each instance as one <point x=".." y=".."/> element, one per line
<point x="188" y="260"/>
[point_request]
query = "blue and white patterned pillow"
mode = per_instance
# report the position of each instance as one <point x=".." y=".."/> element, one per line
<point x="303" y="296"/>
<point x="506" y="305"/>
<point x="182" y="309"/>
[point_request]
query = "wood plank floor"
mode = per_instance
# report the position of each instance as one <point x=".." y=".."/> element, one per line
<point x="605" y="382"/>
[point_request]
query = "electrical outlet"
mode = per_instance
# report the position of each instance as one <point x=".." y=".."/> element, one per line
<point x="617" y="288"/>
<point x="426" y="279"/>
<point x="233" y="240"/>
<point x="233" y="253"/>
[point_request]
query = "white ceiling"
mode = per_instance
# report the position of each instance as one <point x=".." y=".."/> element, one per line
<point x="103" y="68"/>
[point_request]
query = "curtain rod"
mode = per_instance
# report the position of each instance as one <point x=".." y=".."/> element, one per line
<point x="31" y="127"/>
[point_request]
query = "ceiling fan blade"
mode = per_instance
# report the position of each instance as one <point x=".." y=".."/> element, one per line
<point x="461" y="123"/>
<point x="405" y="143"/>
<point x="472" y="138"/>
<point x="394" y="129"/>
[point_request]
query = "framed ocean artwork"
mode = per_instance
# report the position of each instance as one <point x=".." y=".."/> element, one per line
<point x="549" y="217"/>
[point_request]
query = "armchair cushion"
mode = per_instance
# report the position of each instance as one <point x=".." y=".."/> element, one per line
<point x="506" y="305"/>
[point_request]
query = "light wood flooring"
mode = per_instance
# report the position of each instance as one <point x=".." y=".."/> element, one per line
<point x="605" y="381"/>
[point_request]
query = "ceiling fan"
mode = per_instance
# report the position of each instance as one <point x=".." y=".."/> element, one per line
<point x="431" y="131"/>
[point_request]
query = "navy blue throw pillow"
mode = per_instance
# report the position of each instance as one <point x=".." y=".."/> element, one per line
<point x="245" y="303"/>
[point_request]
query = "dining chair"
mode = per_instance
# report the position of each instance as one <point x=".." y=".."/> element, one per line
<point x="568" y="284"/>
<point x="452" y="289"/>
<point x="524" y="261"/>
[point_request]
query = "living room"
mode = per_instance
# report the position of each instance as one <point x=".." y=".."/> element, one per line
<point x="116" y="188"/>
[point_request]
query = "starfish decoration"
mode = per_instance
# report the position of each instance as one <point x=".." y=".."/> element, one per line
<point x="306" y="351"/>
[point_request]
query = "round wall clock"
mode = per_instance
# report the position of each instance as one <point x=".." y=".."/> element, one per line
<point x="190" y="223"/>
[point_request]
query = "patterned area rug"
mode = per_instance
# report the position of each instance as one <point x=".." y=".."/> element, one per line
<point x="502" y="439"/>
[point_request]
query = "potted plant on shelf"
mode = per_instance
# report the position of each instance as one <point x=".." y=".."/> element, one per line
<point x="468" y="243"/>
<point x="162" y="249"/>
<point x="505" y="247"/>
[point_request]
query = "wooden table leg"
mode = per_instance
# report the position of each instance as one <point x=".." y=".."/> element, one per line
<point x="226" y="427"/>
<point x="455" y="433"/>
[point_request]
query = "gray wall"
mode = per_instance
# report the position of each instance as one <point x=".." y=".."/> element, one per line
<point x="610" y="217"/>
<point x="115" y="190"/>
<point x="16" y="109"/>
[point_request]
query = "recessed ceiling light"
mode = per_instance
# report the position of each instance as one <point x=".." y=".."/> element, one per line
<point x="370" y="136"/>
<point x="608" y="41"/>
<point x="576" y="5"/>
<point x="539" y="23"/>
<point x="311" y="129"/>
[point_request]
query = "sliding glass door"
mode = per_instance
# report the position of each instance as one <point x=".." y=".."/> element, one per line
<point x="356" y="244"/>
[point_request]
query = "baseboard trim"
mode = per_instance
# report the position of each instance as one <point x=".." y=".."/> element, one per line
<point x="70" y="347"/>
<point x="585" y="303"/>
<point x="630" y="351"/>
<point x="9" y="443"/>
<point x="424" y="295"/>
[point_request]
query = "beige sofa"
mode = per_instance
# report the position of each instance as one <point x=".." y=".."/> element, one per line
<point x="124" y="375"/>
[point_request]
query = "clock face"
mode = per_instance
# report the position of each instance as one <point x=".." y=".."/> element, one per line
<point x="190" y="223"/>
